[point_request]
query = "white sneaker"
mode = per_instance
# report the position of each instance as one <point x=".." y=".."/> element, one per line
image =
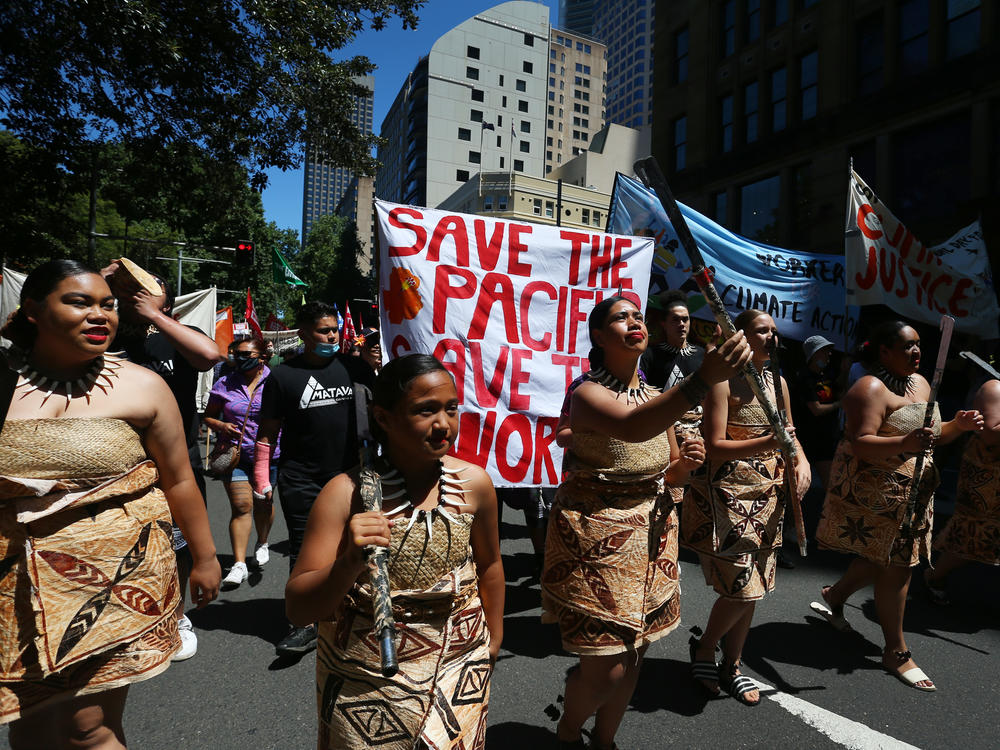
<point x="261" y="554"/>
<point x="237" y="575"/>
<point x="189" y="641"/>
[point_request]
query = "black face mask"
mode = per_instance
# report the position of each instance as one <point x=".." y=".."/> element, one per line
<point x="245" y="362"/>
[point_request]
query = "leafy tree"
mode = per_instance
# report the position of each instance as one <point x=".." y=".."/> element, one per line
<point x="240" y="79"/>
<point x="330" y="261"/>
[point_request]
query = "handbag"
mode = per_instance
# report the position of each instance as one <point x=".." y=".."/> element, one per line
<point x="224" y="458"/>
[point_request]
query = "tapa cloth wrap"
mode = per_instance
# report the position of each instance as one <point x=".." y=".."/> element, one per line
<point x="974" y="531"/>
<point x="733" y="510"/>
<point x="867" y="499"/>
<point x="88" y="579"/>
<point x="610" y="575"/>
<point x="440" y="696"/>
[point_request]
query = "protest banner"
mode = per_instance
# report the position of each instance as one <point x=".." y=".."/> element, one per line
<point x="803" y="292"/>
<point x="888" y="265"/>
<point x="504" y="305"/>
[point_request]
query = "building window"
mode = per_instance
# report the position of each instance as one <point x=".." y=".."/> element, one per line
<point x="753" y="20"/>
<point x="464" y="134"/>
<point x="462" y="175"/>
<point x="474" y="157"/>
<point x="529" y="40"/>
<point x="525" y="146"/>
<point x="503" y="101"/>
<point x="871" y="53"/>
<point x="525" y="126"/>
<point x="476" y="115"/>
<point x="527" y="67"/>
<point x="518" y="165"/>
<point x="472" y="73"/>
<point x="550" y="209"/>
<point x="779" y="12"/>
<point x="500" y="79"/>
<point x="501" y="162"/>
<point x="728" y="19"/>
<point x="536" y="206"/>
<point x="499" y="142"/>
<point x="750" y="111"/>
<point x="520" y="85"/>
<point x="681" y="55"/>
<point x="477" y="95"/>
<point x="963" y="27"/>
<point x="548" y="156"/>
<point x="726" y="121"/>
<point x="719" y="205"/>
<point x="487" y="202"/>
<point x="808" y="84"/>
<point x="472" y="52"/>
<point x="680" y="143"/>
<point x="759" y="203"/>
<point x="500" y="118"/>
<point x="502" y="200"/>
<point x="522" y="105"/>
<point x="779" y="100"/>
<point x="585" y="215"/>
<point x="914" y="22"/>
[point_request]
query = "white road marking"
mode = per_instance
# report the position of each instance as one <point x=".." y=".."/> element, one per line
<point x="851" y="734"/>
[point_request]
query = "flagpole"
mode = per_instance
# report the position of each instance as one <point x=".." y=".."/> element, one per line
<point x="482" y="135"/>
<point x="510" y="160"/>
<point x="847" y="230"/>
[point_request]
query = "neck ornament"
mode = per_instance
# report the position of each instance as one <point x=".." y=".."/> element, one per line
<point x="899" y="386"/>
<point x="632" y="395"/>
<point x="684" y="351"/>
<point x="100" y="374"/>
<point x="449" y="483"/>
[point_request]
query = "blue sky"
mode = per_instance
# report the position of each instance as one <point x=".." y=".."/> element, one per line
<point x="394" y="53"/>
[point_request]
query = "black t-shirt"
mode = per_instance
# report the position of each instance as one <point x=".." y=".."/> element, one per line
<point x="319" y="434"/>
<point x="156" y="353"/>
<point x="663" y="366"/>
<point x="818" y="435"/>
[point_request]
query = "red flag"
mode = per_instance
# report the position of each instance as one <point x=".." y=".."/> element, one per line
<point x="349" y="333"/>
<point x="224" y="329"/>
<point x="251" y="317"/>
<point x="273" y="324"/>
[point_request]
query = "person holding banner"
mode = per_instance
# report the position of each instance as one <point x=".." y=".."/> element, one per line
<point x="733" y="512"/>
<point x="94" y="467"/>
<point x="610" y="576"/>
<point x="973" y="532"/>
<point x="870" y="484"/>
<point x="439" y="520"/>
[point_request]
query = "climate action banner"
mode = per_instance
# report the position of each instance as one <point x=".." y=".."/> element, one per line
<point x="504" y="305"/>
<point x="803" y="292"/>
<point x="887" y="265"/>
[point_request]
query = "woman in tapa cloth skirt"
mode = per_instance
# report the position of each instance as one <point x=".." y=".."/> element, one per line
<point x="972" y="534"/>
<point x="733" y="513"/>
<point x="610" y="575"/>
<point x="873" y="472"/>
<point x="93" y="465"/>
<point x="439" y="520"/>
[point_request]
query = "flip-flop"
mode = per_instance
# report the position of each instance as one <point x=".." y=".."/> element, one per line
<point x="839" y="623"/>
<point x="911" y="676"/>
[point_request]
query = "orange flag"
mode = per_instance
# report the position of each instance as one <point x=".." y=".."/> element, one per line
<point x="224" y="329"/>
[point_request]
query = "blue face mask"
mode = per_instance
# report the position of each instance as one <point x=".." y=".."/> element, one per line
<point x="326" y="350"/>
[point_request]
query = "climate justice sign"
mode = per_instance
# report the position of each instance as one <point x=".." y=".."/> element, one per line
<point x="504" y="305"/>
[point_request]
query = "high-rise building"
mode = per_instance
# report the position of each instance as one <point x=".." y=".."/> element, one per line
<point x="626" y="27"/>
<point x="577" y="16"/>
<point x="758" y="128"/>
<point x="476" y="102"/>
<point x="575" y="109"/>
<point x="325" y="184"/>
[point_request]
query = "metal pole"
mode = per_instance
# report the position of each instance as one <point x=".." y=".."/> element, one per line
<point x="559" y="202"/>
<point x="180" y="265"/>
<point x="92" y="239"/>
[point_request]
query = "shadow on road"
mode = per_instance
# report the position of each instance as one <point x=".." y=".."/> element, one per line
<point x="526" y="636"/>
<point x="667" y="684"/>
<point x="515" y="734"/>
<point x="261" y="618"/>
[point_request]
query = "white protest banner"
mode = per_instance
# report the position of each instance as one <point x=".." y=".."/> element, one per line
<point x="504" y="305"/>
<point x="887" y="265"/>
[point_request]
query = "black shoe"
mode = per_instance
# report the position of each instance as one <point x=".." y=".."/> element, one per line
<point x="298" y="641"/>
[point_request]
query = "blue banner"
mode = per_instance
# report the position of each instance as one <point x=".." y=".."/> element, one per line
<point x="803" y="292"/>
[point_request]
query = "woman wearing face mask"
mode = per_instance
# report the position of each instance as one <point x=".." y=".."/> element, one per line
<point x="233" y="413"/>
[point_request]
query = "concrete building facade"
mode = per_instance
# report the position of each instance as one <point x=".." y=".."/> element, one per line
<point x="476" y="102"/>
<point x="577" y="71"/>
<point x="325" y="184"/>
<point x="762" y="105"/>
<point x="626" y="27"/>
<point x="357" y="204"/>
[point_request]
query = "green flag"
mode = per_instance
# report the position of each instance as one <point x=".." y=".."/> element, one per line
<point x="283" y="272"/>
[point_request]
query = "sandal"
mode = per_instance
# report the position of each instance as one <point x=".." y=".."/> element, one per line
<point x="738" y="685"/>
<point x="703" y="672"/>
<point x="833" y="615"/>
<point x="911" y="676"/>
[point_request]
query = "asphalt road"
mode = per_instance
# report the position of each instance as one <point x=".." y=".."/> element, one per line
<point x="828" y="689"/>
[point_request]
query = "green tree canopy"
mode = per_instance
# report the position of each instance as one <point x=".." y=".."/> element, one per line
<point x="240" y="79"/>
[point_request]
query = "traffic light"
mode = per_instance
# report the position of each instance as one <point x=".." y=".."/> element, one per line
<point x="244" y="253"/>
